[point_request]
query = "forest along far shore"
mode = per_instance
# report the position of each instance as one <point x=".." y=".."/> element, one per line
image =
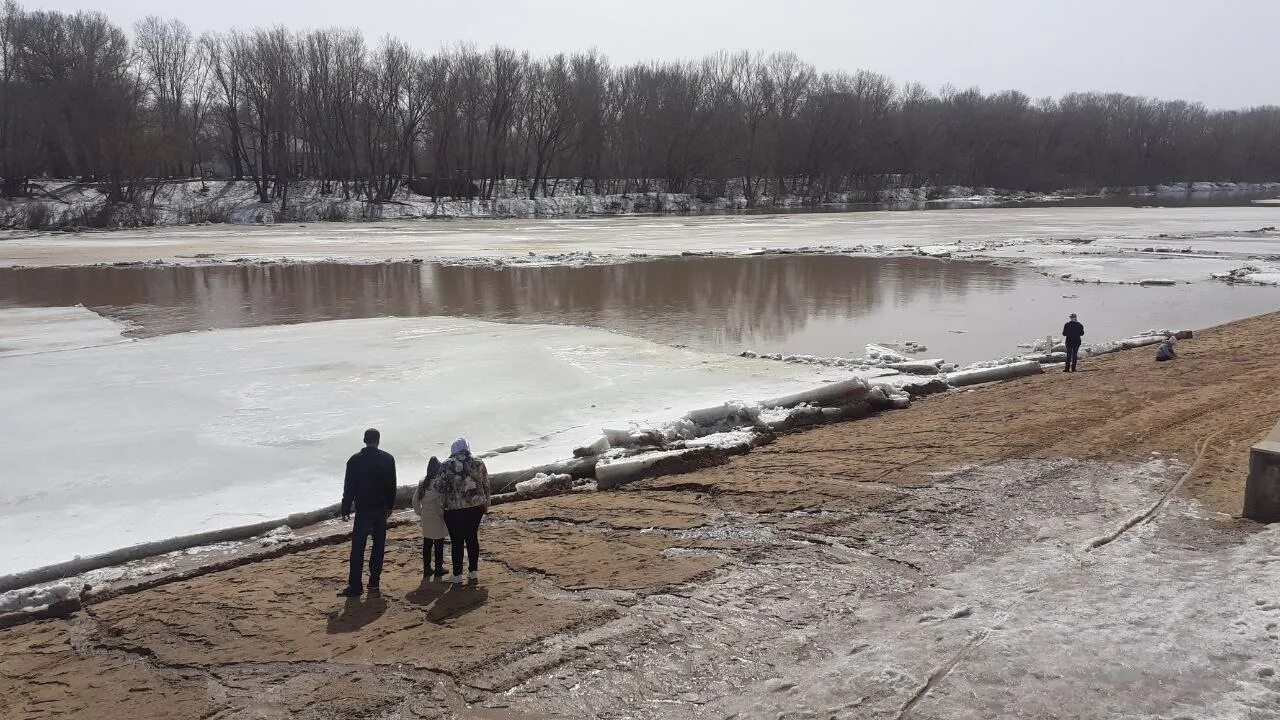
<point x="977" y="537"/>
<point x="324" y="124"/>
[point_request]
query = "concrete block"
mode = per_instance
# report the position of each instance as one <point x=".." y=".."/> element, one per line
<point x="1262" y="489"/>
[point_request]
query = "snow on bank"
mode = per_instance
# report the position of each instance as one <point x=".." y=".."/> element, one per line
<point x="111" y="446"/>
<point x="61" y="203"/>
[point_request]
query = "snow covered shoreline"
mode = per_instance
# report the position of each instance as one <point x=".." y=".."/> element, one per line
<point x="64" y="204"/>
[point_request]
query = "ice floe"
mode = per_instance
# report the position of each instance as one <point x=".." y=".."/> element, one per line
<point x="115" y="445"/>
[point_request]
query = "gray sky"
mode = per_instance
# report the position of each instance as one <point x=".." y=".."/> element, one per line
<point x="1220" y="53"/>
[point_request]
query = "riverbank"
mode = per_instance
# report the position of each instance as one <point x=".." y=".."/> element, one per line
<point x="66" y="204"/>
<point x="931" y="562"/>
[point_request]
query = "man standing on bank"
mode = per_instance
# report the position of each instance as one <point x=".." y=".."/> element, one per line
<point x="370" y="485"/>
<point x="1073" y="331"/>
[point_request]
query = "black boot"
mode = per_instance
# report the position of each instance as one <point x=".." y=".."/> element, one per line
<point x="351" y="591"/>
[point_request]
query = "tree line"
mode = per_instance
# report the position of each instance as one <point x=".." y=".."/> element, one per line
<point x="82" y="98"/>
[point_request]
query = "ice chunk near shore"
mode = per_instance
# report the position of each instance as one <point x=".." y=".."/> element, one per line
<point x="726" y="415"/>
<point x="1043" y="345"/>
<point x="612" y="473"/>
<point x="739" y="439"/>
<point x="543" y="484"/>
<point x="886" y="354"/>
<point x="1007" y="371"/>
<point x="593" y="447"/>
<point x="278" y="535"/>
<point x="824" y="361"/>
<point x="1252" y="274"/>
<point x="640" y="435"/>
<point x="1149" y="337"/>
<point x="888" y="396"/>
<point x="918" y="367"/>
<point x="906" y="347"/>
<point x="946" y="251"/>
<point x="34" y="598"/>
<point x="836" y="393"/>
<point x="779" y="419"/>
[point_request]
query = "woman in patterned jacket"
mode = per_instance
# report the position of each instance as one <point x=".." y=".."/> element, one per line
<point x="463" y="485"/>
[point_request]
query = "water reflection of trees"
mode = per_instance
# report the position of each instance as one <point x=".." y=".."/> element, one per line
<point x="698" y="301"/>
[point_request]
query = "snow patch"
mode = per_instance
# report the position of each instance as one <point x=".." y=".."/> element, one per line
<point x="29" y="599"/>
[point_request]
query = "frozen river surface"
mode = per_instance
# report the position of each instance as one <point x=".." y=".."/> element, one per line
<point x="121" y="442"/>
<point x="620" y="238"/>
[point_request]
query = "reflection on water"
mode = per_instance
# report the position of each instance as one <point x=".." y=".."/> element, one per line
<point x="799" y="304"/>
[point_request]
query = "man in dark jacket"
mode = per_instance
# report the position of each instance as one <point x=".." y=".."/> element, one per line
<point x="1073" y="331"/>
<point x="370" y="486"/>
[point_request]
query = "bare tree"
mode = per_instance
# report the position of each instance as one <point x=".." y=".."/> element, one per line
<point x="171" y="69"/>
<point x="79" y="99"/>
<point x="551" y="116"/>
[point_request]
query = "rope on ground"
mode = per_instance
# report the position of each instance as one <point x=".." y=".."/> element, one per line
<point x="1201" y="447"/>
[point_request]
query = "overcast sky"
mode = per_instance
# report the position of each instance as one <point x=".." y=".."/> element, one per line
<point x="1220" y="53"/>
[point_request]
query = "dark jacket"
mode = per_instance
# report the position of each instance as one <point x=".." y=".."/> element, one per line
<point x="370" y="482"/>
<point x="1073" y="331"/>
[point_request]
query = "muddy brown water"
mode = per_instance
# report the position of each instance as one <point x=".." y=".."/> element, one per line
<point x="822" y="305"/>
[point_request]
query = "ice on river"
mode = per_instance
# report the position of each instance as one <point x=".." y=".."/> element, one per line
<point x="39" y="330"/>
<point x="1058" y="240"/>
<point x="113" y="445"/>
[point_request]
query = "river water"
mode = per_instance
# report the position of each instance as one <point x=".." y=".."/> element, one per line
<point x="799" y="304"/>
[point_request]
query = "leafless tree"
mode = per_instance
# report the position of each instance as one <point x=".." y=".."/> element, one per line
<point x="80" y="98"/>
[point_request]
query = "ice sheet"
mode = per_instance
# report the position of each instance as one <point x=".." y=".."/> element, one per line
<point x="991" y="233"/>
<point x="42" y="330"/>
<point x="114" y="445"/>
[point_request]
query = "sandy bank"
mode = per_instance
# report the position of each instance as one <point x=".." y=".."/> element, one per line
<point x="932" y="562"/>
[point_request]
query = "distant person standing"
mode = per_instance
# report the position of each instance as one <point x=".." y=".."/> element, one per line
<point x="370" y="485"/>
<point x="1073" y="331"/>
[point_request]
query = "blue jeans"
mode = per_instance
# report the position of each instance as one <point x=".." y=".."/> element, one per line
<point x="374" y="524"/>
<point x="1073" y="353"/>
